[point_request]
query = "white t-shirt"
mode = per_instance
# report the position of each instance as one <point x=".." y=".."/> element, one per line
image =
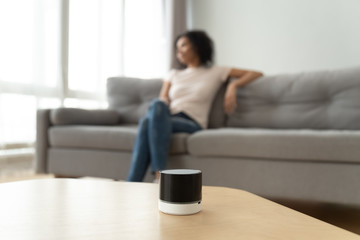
<point x="193" y="90"/>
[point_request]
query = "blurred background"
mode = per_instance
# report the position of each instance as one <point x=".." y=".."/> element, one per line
<point x="60" y="52"/>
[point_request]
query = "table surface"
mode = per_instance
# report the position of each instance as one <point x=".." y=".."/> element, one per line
<point x="93" y="209"/>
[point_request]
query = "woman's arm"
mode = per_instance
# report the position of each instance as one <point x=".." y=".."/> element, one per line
<point x="164" y="93"/>
<point x="243" y="77"/>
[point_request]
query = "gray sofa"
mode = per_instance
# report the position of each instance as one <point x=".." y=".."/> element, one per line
<point x="294" y="136"/>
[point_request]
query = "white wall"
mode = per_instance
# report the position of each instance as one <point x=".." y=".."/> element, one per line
<point x="281" y="35"/>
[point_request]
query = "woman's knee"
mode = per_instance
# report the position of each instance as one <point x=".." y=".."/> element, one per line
<point x="158" y="103"/>
<point x="158" y="106"/>
<point x="143" y="124"/>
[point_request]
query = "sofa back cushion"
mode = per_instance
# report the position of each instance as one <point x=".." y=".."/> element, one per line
<point x="131" y="97"/>
<point x="313" y="100"/>
<point x="217" y="115"/>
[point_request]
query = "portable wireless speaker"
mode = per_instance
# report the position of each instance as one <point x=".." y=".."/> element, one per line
<point x="180" y="191"/>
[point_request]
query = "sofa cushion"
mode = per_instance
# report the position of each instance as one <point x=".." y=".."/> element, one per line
<point x="313" y="100"/>
<point x="77" y="116"/>
<point x="304" y="145"/>
<point x="119" y="138"/>
<point x="131" y="97"/>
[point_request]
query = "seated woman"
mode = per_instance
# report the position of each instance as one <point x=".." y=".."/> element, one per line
<point x="184" y="102"/>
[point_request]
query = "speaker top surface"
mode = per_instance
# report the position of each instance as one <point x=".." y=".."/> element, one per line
<point x="181" y="171"/>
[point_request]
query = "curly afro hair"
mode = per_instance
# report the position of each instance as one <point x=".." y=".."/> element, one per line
<point x="202" y="44"/>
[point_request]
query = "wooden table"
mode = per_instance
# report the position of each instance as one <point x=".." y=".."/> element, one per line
<point x="91" y="209"/>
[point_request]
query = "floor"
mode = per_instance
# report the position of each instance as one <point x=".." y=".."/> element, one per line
<point x="14" y="168"/>
<point x="346" y="217"/>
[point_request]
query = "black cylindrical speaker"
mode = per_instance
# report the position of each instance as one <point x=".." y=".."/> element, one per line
<point x="180" y="191"/>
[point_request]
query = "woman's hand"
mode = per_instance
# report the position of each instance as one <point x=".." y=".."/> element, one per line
<point x="230" y="99"/>
<point x="165" y="100"/>
<point x="164" y="92"/>
<point x="243" y="77"/>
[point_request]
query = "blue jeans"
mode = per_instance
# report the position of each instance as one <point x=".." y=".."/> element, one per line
<point x="153" y="138"/>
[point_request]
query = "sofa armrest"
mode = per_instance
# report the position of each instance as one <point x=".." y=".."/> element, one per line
<point x="42" y="141"/>
<point x="76" y="116"/>
<point x="45" y="118"/>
